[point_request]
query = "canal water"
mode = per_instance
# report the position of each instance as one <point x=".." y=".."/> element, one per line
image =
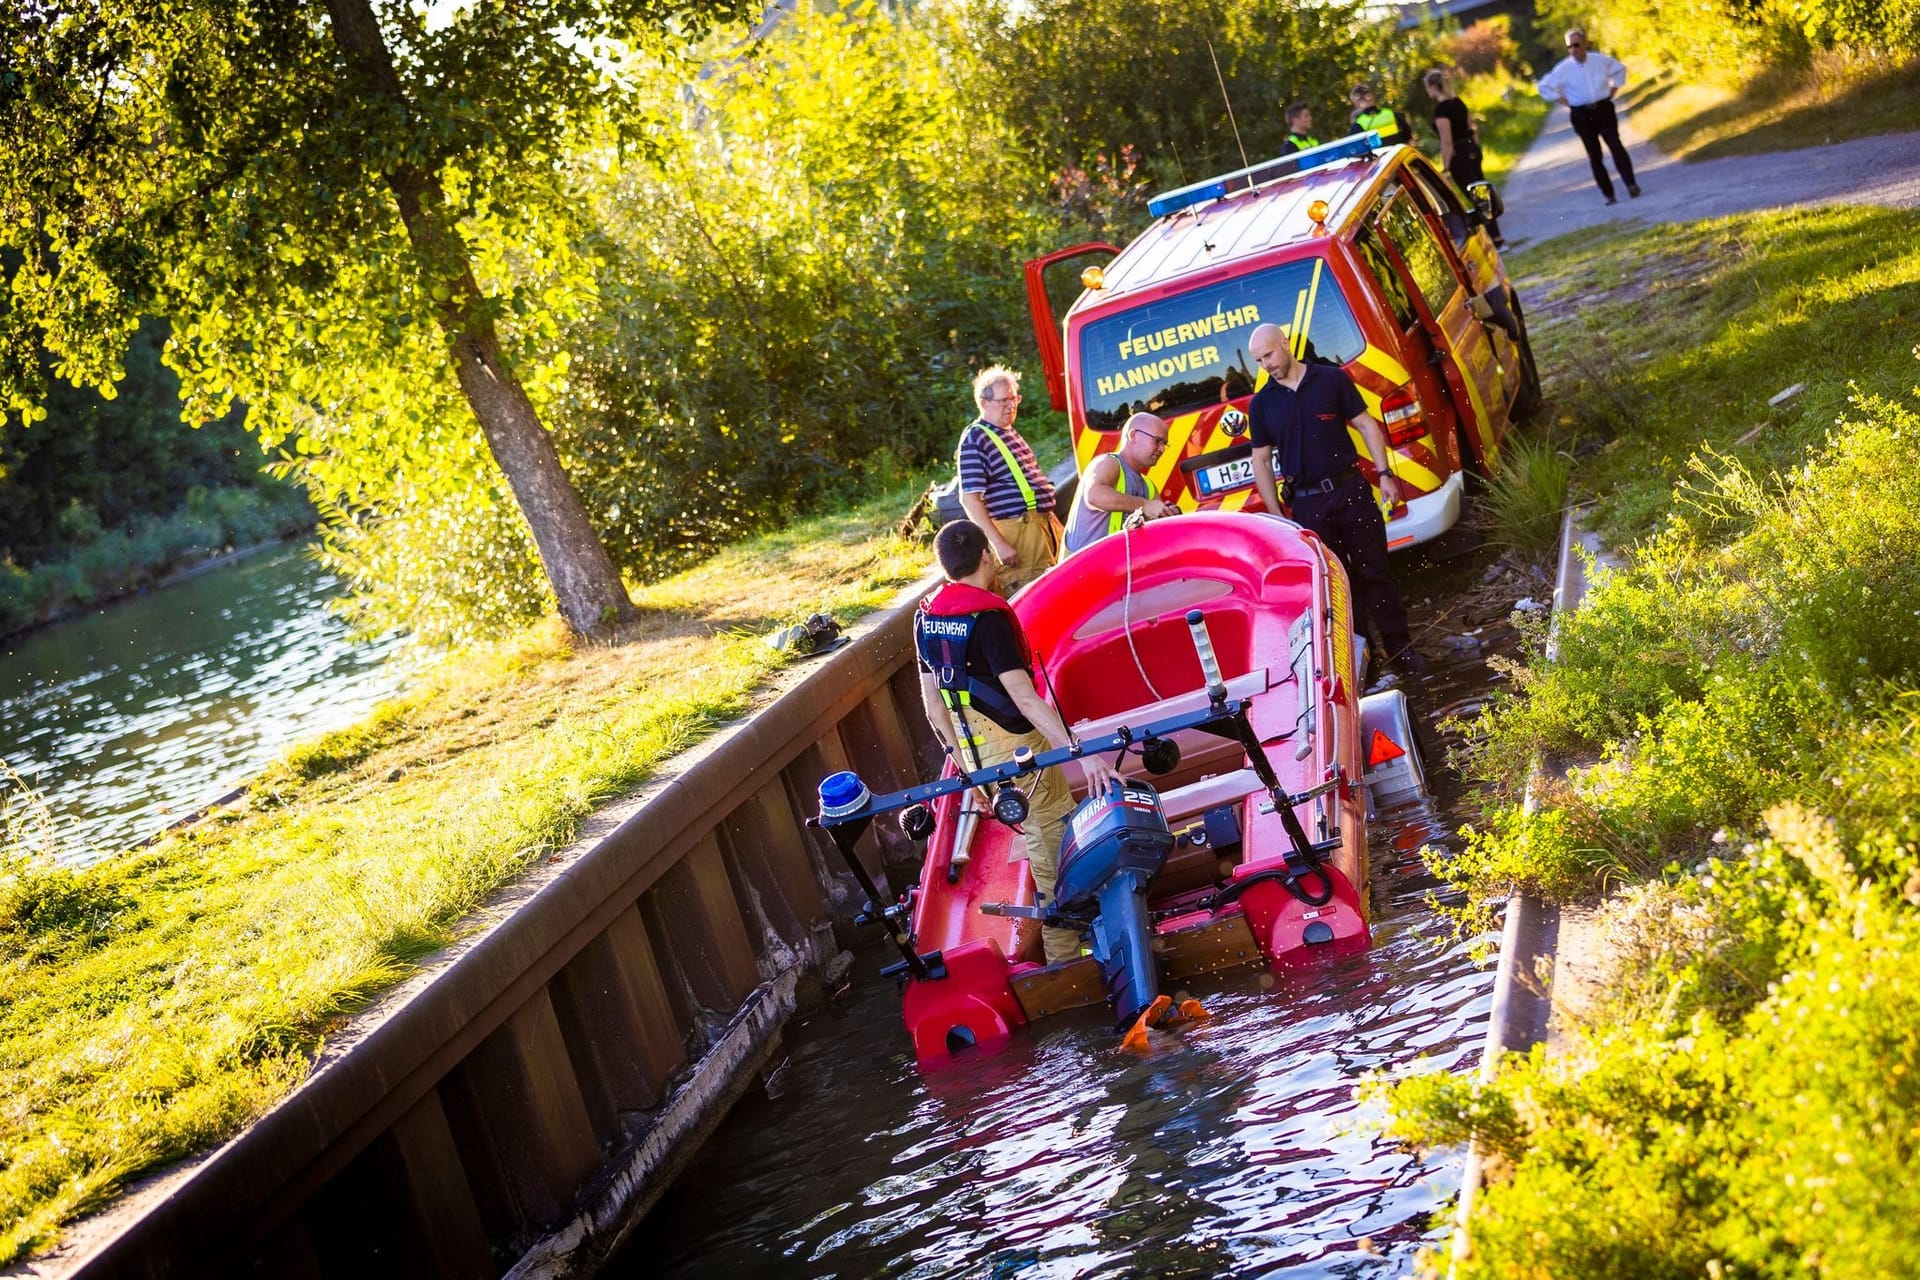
<point x="1237" y="1148"/>
<point x="132" y="716"/>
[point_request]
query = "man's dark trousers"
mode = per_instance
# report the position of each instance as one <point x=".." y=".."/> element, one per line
<point x="1349" y="523"/>
<point x="1593" y="122"/>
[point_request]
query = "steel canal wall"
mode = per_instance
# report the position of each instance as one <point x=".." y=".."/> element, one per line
<point x="518" y="1105"/>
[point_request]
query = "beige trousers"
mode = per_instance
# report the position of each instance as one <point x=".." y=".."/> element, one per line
<point x="1036" y="544"/>
<point x="1049" y="803"/>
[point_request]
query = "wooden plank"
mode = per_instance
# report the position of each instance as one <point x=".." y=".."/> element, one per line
<point x="691" y="916"/>
<point x="1067" y="984"/>
<point x="829" y="756"/>
<point x="520" y="1124"/>
<point x="402" y="1208"/>
<point x="913" y="718"/>
<point x="890" y="723"/>
<point x="1207" y="947"/>
<point x="774" y="862"/>
<point x="618" y="1025"/>
<point x="287" y="1254"/>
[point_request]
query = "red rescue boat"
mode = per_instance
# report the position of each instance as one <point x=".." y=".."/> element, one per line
<point x="1217" y="652"/>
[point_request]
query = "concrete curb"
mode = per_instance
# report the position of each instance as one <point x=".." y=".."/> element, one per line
<point x="1531" y="935"/>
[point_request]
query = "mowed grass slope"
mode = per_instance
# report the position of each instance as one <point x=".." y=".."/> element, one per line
<point x="1839" y="97"/>
<point x="160" y="1001"/>
<point x="1670" y="343"/>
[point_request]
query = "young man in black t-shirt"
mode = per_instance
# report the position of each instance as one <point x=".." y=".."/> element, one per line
<point x="1303" y="412"/>
<point x="977" y="684"/>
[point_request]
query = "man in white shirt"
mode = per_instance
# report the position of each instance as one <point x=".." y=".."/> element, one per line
<point x="1585" y="82"/>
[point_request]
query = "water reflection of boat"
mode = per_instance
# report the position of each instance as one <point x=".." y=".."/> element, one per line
<point x="1216" y="651"/>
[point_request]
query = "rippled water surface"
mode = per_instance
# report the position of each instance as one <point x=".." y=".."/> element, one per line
<point x="1236" y="1149"/>
<point x="134" y="715"/>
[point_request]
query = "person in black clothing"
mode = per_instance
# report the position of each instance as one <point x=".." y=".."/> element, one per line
<point x="1303" y="411"/>
<point x="1459" y="144"/>
<point x="977" y="685"/>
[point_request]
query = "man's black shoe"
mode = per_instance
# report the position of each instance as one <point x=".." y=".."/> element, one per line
<point x="1633" y="191"/>
<point x="1611" y="200"/>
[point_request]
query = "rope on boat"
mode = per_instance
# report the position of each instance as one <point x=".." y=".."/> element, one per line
<point x="1126" y="616"/>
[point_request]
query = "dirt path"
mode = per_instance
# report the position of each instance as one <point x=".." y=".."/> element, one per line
<point x="1551" y="191"/>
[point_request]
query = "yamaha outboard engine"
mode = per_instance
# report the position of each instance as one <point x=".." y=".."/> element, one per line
<point x="1116" y="843"/>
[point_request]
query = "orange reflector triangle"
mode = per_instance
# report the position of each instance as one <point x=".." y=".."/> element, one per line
<point x="1383" y="749"/>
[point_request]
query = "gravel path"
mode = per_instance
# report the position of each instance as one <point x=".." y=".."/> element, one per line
<point x="1551" y="192"/>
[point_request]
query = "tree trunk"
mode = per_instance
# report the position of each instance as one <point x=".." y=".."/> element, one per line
<point x="585" y="583"/>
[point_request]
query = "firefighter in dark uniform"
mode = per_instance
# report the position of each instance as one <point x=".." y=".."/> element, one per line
<point x="1367" y="114"/>
<point x="977" y="684"/>
<point x="1299" y="129"/>
<point x="1303" y="411"/>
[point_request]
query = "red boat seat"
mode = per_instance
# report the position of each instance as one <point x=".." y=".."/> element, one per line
<point x="1199" y="752"/>
<point x="1248" y="684"/>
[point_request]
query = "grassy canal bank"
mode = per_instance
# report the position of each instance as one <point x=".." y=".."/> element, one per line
<point x="160" y="1001"/>
<point x="1741" y="702"/>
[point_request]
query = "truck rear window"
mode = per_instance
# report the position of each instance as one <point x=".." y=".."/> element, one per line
<point x="1190" y="350"/>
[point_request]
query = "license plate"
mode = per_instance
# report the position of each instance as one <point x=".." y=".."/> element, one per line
<point x="1225" y="477"/>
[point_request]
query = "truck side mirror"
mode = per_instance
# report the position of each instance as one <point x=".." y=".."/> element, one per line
<point x="1481" y="193"/>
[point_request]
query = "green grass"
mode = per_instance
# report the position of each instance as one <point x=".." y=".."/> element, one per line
<point x="1523" y="503"/>
<point x="160" y="1001"/>
<point x="1741" y="700"/>
<point x="1841" y="96"/>
<point x="1659" y="344"/>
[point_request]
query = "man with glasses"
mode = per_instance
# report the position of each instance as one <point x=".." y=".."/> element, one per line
<point x="1584" y="82"/>
<point x="1002" y="488"/>
<point x="1114" y="485"/>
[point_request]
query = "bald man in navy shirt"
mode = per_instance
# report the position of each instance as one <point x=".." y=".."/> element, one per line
<point x="1303" y="412"/>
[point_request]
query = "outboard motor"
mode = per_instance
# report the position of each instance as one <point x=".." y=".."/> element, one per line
<point x="1116" y="843"/>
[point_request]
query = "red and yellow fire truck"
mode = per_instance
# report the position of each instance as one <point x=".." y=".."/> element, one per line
<point x="1366" y="255"/>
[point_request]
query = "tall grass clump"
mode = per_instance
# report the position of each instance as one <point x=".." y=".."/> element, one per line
<point x="1748" y="689"/>
<point x="1525" y="499"/>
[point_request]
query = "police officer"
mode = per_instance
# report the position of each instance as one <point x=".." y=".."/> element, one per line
<point x="976" y="682"/>
<point x="1299" y="129"/>
<point x="1002" y="488"/>
<point x="1303" y="411"/>
<point x="1114" y="485"/>
<point x="1367" y="114"/>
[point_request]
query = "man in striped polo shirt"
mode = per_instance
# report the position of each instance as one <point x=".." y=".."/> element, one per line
<point x="1002" y="487"/>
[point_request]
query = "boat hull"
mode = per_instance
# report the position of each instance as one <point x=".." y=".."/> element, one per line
<point x="1110" y="628"/>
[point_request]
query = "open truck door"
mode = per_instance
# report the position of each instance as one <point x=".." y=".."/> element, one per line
<point x="1046" y="327"/>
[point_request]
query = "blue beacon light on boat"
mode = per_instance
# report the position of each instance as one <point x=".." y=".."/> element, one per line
<point x="842" y="794"/>
<point x="1354" y="147"/>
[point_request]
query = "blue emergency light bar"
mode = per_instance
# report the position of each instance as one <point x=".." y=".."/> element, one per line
<point x="1353" y="147"/>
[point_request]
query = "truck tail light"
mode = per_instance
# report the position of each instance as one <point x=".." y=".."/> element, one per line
<point x="1403" y="417"/>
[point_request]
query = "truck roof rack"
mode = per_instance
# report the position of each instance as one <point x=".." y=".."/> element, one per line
<point x="1352" y="147"/>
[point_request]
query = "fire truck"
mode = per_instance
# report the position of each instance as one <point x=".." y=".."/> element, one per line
<point x="1370" y="259"/>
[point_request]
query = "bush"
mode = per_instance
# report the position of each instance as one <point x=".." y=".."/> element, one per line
<point x="1486" y="47"/>
<point x="1745" y="1099"/>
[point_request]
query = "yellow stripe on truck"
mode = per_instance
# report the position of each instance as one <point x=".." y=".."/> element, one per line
<point x="1384" y="364"/>
<point x="1087" y="448"/>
